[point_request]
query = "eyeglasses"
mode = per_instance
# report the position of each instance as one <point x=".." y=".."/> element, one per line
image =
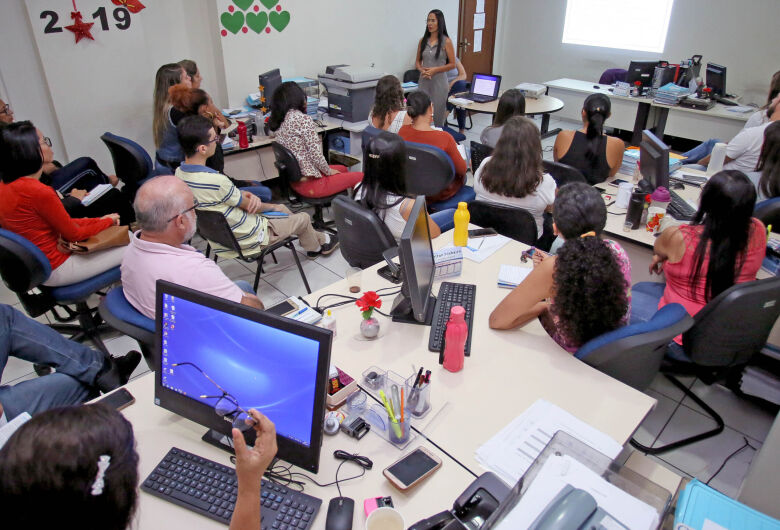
<point x="182" y="213"/>
<point x="6" y="109"/>
<point x="226" y="404"/>
<point x="46" y="140"/>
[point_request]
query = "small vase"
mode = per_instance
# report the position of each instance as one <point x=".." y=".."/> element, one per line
<point x="369" y="327"/>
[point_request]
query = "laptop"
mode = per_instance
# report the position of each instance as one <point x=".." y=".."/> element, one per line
<point x="484" y="88"/>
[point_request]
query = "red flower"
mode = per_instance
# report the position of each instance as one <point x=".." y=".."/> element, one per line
<point x="369" y="301"/>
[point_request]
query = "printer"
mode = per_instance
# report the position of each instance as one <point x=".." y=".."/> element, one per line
<point x="351" y="90"/>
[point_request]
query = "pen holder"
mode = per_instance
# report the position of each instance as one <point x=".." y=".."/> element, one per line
<point x="418" y="399"/>
<point x="397" y="433"/>
<point x="374" y="378"/>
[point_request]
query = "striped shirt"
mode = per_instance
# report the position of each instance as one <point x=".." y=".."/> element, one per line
<point x="215" y="192"/>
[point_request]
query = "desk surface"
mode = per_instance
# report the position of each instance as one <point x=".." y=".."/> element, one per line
<point x="541" y="105"/>
<point x="261" y="140"/>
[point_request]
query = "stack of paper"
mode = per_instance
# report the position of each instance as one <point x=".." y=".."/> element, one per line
<point x="631" y="158"/>
<point x="670" y="94"/>
<point x="480" y="249"/>
<point x="311" y="105"/>
<point x="741" y="109"/>
<point x="510" y="276"/>
<point x="95" y="193"/>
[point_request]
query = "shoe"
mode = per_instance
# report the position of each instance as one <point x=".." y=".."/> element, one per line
<point x="41" y="369"/>
<point x="326" y="248"/>
<point x="117" y="371"/>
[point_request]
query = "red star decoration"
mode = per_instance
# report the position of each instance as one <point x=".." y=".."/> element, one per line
<point x="80" y="28"/>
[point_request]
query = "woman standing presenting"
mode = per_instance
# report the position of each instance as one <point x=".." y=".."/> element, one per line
<point x="435" y="57"/>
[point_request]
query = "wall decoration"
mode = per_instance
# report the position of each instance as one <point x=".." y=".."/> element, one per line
<point x="257" y="19"/>
<point x="134" y="6"/>
<point x="83" y="30"/>
<point x="79" y="28"/>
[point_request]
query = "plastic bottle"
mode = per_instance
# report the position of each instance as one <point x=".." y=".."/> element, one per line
<point x="455" y="339"/>
<point x="462" y="217"/>
<point x="329" y="322"/>
<point x="243" y="139"/>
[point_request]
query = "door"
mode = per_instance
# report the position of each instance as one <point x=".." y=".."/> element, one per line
<point x="475" y="46"/>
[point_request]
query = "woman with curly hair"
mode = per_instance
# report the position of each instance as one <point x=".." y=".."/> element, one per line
<point x="584" y="290"/>
<point x="388" y="112"/>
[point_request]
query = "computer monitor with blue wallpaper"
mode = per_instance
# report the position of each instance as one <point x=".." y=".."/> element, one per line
<point x="219" y="359"/>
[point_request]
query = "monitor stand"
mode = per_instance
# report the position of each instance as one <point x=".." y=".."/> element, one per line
<point x="402" y="310"/>
<point x="225" y="441"/>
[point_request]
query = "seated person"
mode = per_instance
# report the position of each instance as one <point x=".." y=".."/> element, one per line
<point x="458" y="84"/>
<point x="723" y="245"/>
<point x="159" y="250"/>
<point x="768" y="168"/>
<point x="33" y="210"/>
<point x="295" y="130"/>
<point x="213" y="191"/>
<point x="511" y="103"/>
<point x="168" y="152"/>
<point x="388" y="111"/>
<point x="57" y="456"/>
<point x="584" y="290"/>
<point x="513" y="175"/>
<point x="595" y="154"/>
<point x="383" y="190"/>
<point x="81" y="371"/>
<point x="420" y="109"/>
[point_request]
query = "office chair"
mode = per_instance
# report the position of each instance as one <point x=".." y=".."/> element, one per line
<point x="479" y="152"/>
<point x="509" y="221"/>
<point x="412" y="75"/>
<point x="726" y="333"/>
<point x="24" y="267"/>
<point x="464" y="86"/>
<point x="611" y="75"/>
<point x="132" y="164"/>
<point x="118" y="313"/>
<point x="213" y="227"/>
<point x="563" y="173"/>
<point x="768" y="212"/>
<point x="429" y="169"/>
<point x="633" y="354"/>
<point x="363" y="237"/>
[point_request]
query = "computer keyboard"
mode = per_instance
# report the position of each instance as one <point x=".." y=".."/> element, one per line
<point x="451" y="294"/>
<point x="679" y="208"/>
<point x="694" y="180"/>
<point x="210" y="489"/>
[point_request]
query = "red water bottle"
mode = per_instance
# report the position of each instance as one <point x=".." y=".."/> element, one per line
<point x="243" y="141"/>
<point x="455" y="339"/>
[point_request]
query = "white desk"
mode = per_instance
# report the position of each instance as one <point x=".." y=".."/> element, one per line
<point x="544" y="105"/>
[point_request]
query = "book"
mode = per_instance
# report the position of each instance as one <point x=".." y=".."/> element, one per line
<point x="510" y="276"/>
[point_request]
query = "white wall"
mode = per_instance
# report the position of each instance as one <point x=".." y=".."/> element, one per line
<point x="740" y="35"/>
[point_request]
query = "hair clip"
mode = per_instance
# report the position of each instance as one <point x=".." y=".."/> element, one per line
<point x="591" y="233"/>
<point x="373" y="155"/>
<point x="103" y="462"/>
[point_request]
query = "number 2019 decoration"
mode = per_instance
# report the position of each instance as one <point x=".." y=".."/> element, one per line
<point x="83" y="30"/>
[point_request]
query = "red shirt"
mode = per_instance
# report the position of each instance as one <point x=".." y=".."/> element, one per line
<point x="445" y="142"/>
<point x="33" y="210"/>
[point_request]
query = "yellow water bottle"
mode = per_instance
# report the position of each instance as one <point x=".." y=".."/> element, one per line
<point x="462" y="217"/>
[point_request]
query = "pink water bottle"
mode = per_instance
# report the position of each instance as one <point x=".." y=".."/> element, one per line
<point x="455" y="339"/>
<point x="243" y="140"/>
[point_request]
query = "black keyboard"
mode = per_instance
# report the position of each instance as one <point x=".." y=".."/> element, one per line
<point x="693" y="180"/>
<point x="680" y="209"/>
<point x="210" y="489"/>
<point x="451" y="294"/>
<point x="477" y="98"/>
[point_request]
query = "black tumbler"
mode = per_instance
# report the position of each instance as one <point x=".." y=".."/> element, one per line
<point x="635" y="207"/>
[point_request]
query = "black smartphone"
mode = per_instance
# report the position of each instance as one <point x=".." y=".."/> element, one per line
<point x="118" y="399"/>
<point x="282" y="308"/>
<point x="617" y="182"/>
<point x="482" y="232"/>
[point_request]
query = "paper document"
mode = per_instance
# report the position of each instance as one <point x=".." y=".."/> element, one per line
<point x="511" y="452"/>
<point x="741" y="109"/>
<point x="480" y="6"/>
<point x="461" y="101"/>
<point x="510" y="276"/>
<point x="477" y="41"/>
<point x="95" y="193"/>
<point x="480" y="249"/>
<point x="462" y="151"/>
<point x="557" y="472"/>
<point x="479" y="20"/>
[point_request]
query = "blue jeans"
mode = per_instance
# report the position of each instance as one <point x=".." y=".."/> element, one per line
<point x="245" y="286"/>
<point x="700" y="151"/>
<point x="445" y="219"/>
<point x="77" y="365"/>
<point x="460" y="113"/>
<point x="465" y="194"/>
<point x="263" y="192"/>
<point x="83" y="173"/>
<point x="644" y="300"/>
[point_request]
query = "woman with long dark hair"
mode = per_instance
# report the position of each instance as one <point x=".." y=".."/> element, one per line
<point x="165" y="140"/>
<point x="584" y="290"/>
<point x="769" y="163"/>
<point x="388" y="111"/>
<point x="435" y="57"/>
<point x="589" y="149"/>
<point x="723" y="245"/>
<point x="513" y="175"/>
<point x="511" y="103"/>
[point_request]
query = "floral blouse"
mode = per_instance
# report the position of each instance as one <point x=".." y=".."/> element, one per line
<point x="298" y="134"/>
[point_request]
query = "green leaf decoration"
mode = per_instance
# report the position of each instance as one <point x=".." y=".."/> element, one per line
<point x="279" y="21"/>
<point x="243" y="4"/>
<point x="269" y="3"/>
<point x="232" y="21"/>
<point x="257" y="21"/>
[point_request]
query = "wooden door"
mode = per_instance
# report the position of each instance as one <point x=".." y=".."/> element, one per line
<point x="475" y="46"/>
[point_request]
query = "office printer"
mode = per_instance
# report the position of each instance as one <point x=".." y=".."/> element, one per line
<point x="350" y="90"/>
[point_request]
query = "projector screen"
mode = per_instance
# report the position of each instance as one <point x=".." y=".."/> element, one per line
<point x="626" y="24"/>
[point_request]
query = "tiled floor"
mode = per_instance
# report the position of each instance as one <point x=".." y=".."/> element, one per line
<point x="673" y="417"/>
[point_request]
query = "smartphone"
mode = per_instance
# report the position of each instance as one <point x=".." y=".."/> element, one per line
<point x="412" y="469"/>
<point x="118" y="400"/>
<point x="482" y="232"/>
<point x="617" y="182"/>
<point x="282" y="308"/>
<point x="274" y="213"/>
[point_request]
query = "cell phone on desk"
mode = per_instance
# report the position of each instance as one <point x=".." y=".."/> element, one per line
<point x="274" y="213"/>
<point x="118" y="399"/>
<point x="482" y="232"/>
<point x="412" y="469"/>
<point x="617" y="182"/>
<point x="282" y="308"/>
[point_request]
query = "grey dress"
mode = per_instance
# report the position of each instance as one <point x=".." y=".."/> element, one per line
<point x="437" y="88"/>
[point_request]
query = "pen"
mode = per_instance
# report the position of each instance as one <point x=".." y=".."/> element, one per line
<point x="402" y="405"/>
<point x="299" y="312"/>
<point x="396" y="402"/>
<point x="417" y="379"/>
<point x="427" y="376"/>
<point x="478" y="247"/>
<point x="396" y="427"/>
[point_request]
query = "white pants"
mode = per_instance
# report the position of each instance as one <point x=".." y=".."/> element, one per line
<point x="80" y="267"/>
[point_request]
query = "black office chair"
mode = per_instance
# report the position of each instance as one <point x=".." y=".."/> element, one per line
<point x="562" y="173"/>
<point x="213" y="227"/>
<point x="429" y="169"/>
<point x="509" y="221"/>
<point x="479" y="152"/>
<point x="132" y="164"/>
<point x="726" y="333"/>
<point x="412" y="75"/>
<point x="768" y="211"/>
<point x="290" y="171"/>
<point x="123" y="317"/>
<point x="363" y="237"/>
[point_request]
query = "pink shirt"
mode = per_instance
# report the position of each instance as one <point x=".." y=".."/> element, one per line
<point x="145" y="262"/>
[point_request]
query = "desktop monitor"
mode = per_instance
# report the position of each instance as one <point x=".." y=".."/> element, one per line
<point x="414" y="303"/>
<point x="485" y="85"/>
<point x="270" y="81"/>
<point x="218" y="355"/>
<point x="654" y="160"/>
<point x="641" y="71"/>
<point x="716" y="79"/>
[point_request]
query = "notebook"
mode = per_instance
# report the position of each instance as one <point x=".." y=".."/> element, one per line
<point x="510" y="276"/>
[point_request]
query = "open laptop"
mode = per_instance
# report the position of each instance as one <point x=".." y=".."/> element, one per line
<point x="484" y="88"/>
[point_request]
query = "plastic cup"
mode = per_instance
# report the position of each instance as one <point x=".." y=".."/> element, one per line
<point x="385" y="518"/>
<point x="418" y="399"/>
<point x="399" y="431"/>
<point x="354" y="275"/>
<point x="624" y="194"/>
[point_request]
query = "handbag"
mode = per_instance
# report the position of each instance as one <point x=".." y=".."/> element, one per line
<point x="113" y="236"/>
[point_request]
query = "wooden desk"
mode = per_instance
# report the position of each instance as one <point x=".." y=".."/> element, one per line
<point x="544" y="105"/>
<point x="157" y="430"/>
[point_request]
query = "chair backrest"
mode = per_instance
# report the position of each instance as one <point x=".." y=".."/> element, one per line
<point x="768" y="212"/>
<point x="23" y="266"/>
<point x="508" y="221"/>
<point x="429" y="169"/>
<point x="132" y="164"/>
<point x="118" y="313"/>
<point x="412" y="75"/>
<point x="369" y="133"/>
<point x="362" y="234"/>
<point x="214" y="227"/>
<point x="734" y="325"/>
<point x="633" y="354"/>
<point x="286" y="163"/>
<point x="611" y="75"/>
<point x="563" y="173"/>
<point x="479" y="152"/>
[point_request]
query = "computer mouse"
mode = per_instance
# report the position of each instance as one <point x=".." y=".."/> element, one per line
<point x="340" y="511"/>
<point x="677" y="185"/>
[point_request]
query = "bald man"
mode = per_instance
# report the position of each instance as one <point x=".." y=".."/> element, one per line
<point x="165" y="212"/>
